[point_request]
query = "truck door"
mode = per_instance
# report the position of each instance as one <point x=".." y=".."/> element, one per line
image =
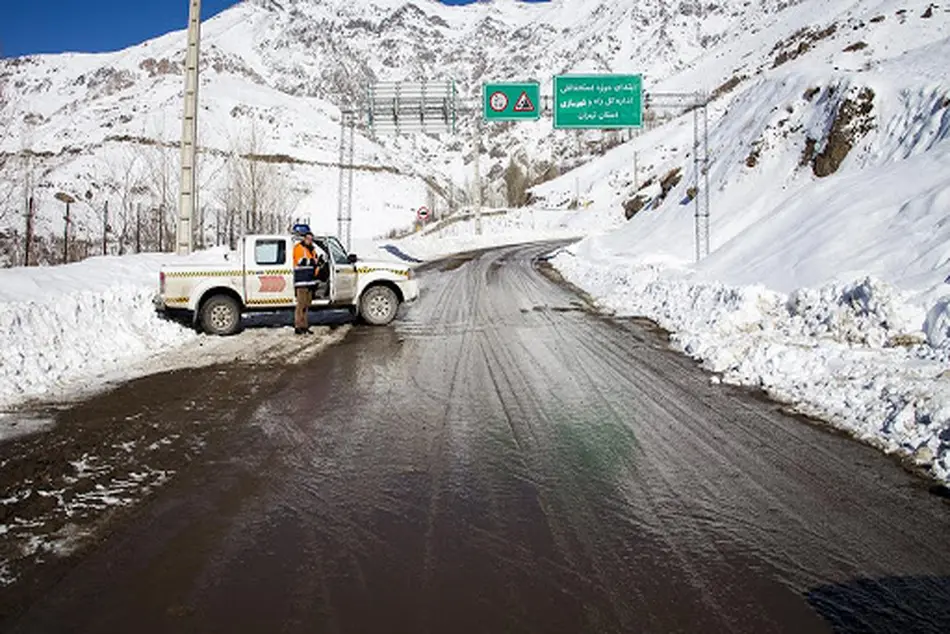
<point x="344" y="279"/>
<point x="269" y="273"/>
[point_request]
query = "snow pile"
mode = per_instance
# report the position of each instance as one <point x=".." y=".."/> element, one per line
<point x="851" y="354"/>
<point x="66" y="325"/>
<point x="68" y="337"/>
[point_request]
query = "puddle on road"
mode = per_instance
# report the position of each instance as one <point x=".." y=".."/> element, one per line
<point x="574" y="307"/>
<point x="16" y="425"/>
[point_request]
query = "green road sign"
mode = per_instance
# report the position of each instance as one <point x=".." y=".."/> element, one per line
<point x="512" y="102"/>
<point x="598" y="101"/>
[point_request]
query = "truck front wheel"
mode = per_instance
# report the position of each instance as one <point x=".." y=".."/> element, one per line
<point x="221" y="316"/>
<point x="379" y="305"/>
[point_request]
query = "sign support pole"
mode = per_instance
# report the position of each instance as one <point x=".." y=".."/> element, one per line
<point x="188" y="198"/>
<point x="345" y="193"/>
<point x="696" y="203"/>
<point x="698" y="102"/>
<point x="478" y="179"/>
<point x="706" y="169"/>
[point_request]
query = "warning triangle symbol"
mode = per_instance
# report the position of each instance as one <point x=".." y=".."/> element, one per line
<point x="524" y="103"/>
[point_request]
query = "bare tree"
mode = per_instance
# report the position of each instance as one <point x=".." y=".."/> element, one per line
<point x="125" y="172"/>
<point x="161" y="181"/>
<point x="257" y="190"/>
<point x="210" y="169"/>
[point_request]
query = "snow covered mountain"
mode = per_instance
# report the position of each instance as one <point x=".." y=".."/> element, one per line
<point x="103" y="127"/>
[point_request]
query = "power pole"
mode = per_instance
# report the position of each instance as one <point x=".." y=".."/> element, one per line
<point x="105" y="229"/>
<point x="138" y="227"/>
<point x="68" y="219"/>
<point x="188" y="199"/>
<point x="29" y="231"/>
<point x="68" y="200"/>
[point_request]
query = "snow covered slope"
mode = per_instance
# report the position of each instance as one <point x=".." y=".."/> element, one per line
<point x="821" y="169"/>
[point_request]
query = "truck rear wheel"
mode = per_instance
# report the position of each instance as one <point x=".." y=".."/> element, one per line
<point x="379" y="305"/>
<point x="221" y="316"/>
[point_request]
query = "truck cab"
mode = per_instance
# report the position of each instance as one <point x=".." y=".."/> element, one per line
<point x="269" y="273"/>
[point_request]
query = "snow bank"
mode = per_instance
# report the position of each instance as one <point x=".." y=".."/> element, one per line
<point x="65" y="325"/>
<point x="71" y="336"/>
<point x="851" y="354"/>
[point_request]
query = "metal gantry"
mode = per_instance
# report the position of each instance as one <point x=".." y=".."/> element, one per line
<point x="435" y="108"/>
<point x="392" y="108"/>
<point x="412" y="107"/>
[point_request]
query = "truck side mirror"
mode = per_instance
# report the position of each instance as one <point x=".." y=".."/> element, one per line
<point x="352" y="259"/>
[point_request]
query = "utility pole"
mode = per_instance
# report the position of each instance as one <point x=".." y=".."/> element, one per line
<point x="636" y="171"/>
<point x="138" y="227"/>
<point x="68" y="219"/>
<point x="105" y="229"/>
<point x="188" y="199"/>
<point x="68" y="200"/>
<point x="30" y="210"/>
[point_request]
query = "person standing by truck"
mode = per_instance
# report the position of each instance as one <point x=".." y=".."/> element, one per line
<point x="306" y="270"/>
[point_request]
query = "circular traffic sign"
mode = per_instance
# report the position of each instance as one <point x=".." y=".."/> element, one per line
<point x="498" y="101"/>
<point x="422" y="213"/>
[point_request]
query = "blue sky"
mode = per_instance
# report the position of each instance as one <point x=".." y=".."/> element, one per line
<point x="55" y="26"/>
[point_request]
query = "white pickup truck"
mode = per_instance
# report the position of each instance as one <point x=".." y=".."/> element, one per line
<point x="259" y="277"/>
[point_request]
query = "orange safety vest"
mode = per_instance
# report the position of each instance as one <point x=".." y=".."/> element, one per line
<point x="305" y="265"/>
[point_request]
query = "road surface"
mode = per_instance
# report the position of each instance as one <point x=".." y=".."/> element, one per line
<point x="503" y="460"/>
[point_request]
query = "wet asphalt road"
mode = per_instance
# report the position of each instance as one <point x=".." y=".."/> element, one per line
<point x="505" y="461"/>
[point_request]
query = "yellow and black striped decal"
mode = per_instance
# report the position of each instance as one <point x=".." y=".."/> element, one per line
<point x="363" y="270"/>
<point x="272" y="272"/>
<point x="180" y="274"/>
<point x="177" y="300"/>
<point x="271" y="301"/>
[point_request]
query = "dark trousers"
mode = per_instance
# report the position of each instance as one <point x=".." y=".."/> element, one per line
<point x="304" y="297"/>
